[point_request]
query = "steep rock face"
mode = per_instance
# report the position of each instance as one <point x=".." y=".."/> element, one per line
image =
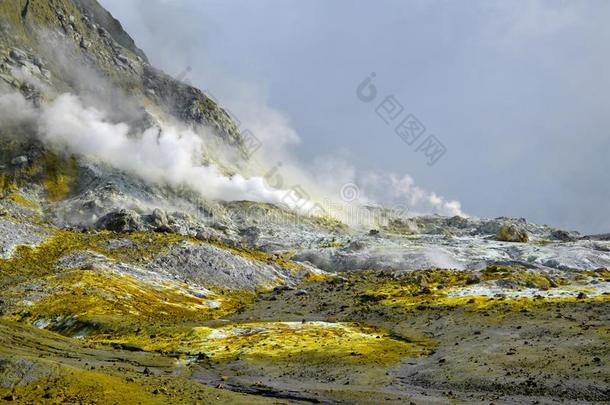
<point x="48" y="48"/>
<point x="189" y="104"/>
<point x="104" y="19"/>
<point x="52" y="47"/>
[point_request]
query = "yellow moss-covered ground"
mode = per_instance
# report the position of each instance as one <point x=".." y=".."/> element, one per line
<point x="60" y="176"/>
<point x="520" y="275"/>
<point x="57" y="175"/>
<point x="72" y="385"/>
<point x="308" y="341"/>
<point x="112" y="301"/>
<point x="501" y="345"/>
<point x="99" y="300"/>
<point x="305" y="342"/>
<point x="23" y="201"/>
<point x="357" y="328"/>
<point x="59" y="370"/>
<point x="41" y="260"/>
<point x="317" y="277"/>
<point x="602" y="274"/>
<point x="432" y="288"/>
<point x="29" y="262"/>
<point x="374" y="324"/>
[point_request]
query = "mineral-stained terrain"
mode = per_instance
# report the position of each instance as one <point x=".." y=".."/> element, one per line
<point x="115" y="290"/>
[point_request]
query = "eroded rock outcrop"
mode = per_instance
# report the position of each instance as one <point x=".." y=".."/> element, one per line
<point x="512" y="233"/>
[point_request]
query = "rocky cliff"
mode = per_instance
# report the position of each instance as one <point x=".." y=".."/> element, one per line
<point x="53" y="43"/>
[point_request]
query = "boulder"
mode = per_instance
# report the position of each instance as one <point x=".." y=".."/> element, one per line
<point x="457" y="222"/>
<point x="512" y="233"/>
<point x="19" y="161"/>
<point x="473" y="278"/>
<point x="250" y="234"/>
<point x="120" y="221"/>
<point x="158" y="218"/>
<point x="356" y="246"/>
<point x="563" y="236"/>
<point x="18" y="54"/>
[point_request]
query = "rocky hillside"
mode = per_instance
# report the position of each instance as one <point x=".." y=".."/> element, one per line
<point x="117" y="289"/>
<point x="49" y="46"/>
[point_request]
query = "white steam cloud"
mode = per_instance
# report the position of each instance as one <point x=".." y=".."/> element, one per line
<point x="168" y="154"/>
<point x="172" y="155"/>
<point x="326" y="177"/>
<point x="396" y="190"/>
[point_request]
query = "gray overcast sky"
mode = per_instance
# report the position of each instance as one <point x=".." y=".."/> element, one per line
<point x="518" y="91"/>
